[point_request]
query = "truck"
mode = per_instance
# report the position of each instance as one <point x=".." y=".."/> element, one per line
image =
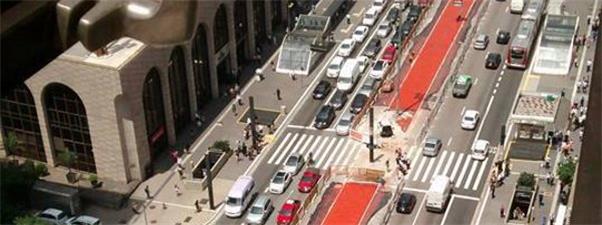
<point x="349" y="75"/>
<point x="438" y="194"/>
<point x="517" y="6"/>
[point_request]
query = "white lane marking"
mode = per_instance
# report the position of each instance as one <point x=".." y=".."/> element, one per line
<point x="415" y="190"/>
<point x="297" y="146"/>
<point x="309" y="139"/>
<point x="301" y="127"/>
<point x="472" y="170"/>
<point x="328" y="150"/>
<point x="449" y="141"/>
<point x="288" y="147"/>
<point x="335" y="151"/>
<point x="423" y="160"/>
<point x="447" y="210"/>
<point x="484" y="117"/>
<point x="279" y="148"/>
<point x="319" y="150"/>
<point x="476" y="80"/>
<point x="463" y="109"/>
<point x="428" y="169"/>
<point x="507" y="9"/>
<point x="497" y="85"/>
<point x="457" y="166"/>
<point x="478" y="179"/>
<point x="461" y="176"/>
<point x="440" y="163"/>
<point x="494" y="91"/>
<point x="341" y="154"/>
<point x="448" y="165"/>
<point x="419" y="211"/>
<point x="356" y="148"/>
<point x="466" y="197"/>
<point x="501" y="74"/>
<point x="313" y="146"/>
<point x="357" y="14"/>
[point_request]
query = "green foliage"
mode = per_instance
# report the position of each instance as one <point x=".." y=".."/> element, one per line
<point x="16" y="182"/>
<point x="566" y="171"/>
<point x="222" y="145"/>
<point x="526" y="180"/>
<point x="93" y="178"/>
<point x="67" y="158"/>
<point x="10" y="143"/>
<point x="29" y="220"/>
<point x="41" y="169"/>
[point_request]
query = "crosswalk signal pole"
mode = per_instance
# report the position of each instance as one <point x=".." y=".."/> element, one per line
<point x="253" y="122"/>
<point x="209" y="180"/>
<point x="371" y="144"/>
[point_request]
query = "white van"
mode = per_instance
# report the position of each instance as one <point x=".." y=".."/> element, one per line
<point x="438" y="194"/>
<point x="517" y="6"/>
<point x="335" y="67"/>
<point x="370" y="17"/>
<point x="239" y="196"/>
<point x="349" y="74"/>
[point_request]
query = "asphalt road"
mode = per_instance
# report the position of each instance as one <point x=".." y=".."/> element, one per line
<point x="492" y="94"/>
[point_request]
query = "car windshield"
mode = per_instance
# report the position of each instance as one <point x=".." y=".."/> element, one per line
<point x="405" y="200"/>
<point x="279" y="178"/>
<point x="345" y="122"/>
<point x="333" y="66"/>
<point x="233" y="201"/>
<point x="383" y="27"/>
<point x="345" y="80"/>
<point x="292" y="161"/>
<point x="286" y="212"/>
<point x="468" y="118"/>
<point x="306" y="178"/>
<point x="256" y="210"/>
<point x="378" y="4"/>
<point x="461" y="85"/>
<point x="369" y="16"/>
<point x="359" y="32"/>
<point x="379" y="65"/>
<point x="479" y="150"/>
<point x="322" y="116"/>
<point x="345" y="46"/>
<point x="430" y="145"/>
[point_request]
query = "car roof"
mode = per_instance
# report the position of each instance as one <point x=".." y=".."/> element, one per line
<point x="480" y="144"/>
<point x="325" y="109"/>
<point x="294" y="155"/>
<point x="462" y="79"/>
<point x="347" y="116"/>
<point x="481" y="37"/>
<point x="52" y="211"/>
<point x="347" y="41"/>
<point x="433" y="140"/>
<point x="371" y="10"/>
<point x="239" y="187"/>
<point x="337" y="60"/>
<point x="471" y="113"/>
<point x="261" y="200"/>
<point x="87" y="219"/>
<point x="406" y="196"/>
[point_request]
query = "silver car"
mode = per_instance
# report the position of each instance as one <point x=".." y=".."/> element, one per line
<point x="431" y="146"/>
<point x="344" y="124"/>
<point x="260" y="210"/>
<point x="293" y="164"/>
<point x="481" y="42"/>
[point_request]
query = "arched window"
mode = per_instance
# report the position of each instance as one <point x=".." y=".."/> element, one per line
<point x="152" y="99"/>
<point x="20" y="120"/>
<point x="68" y="124"/>
<point x="220" y="28"/>
<point x="200" y="66"/>
<point x="240" y="19"/>
<point x="179" y="89"/>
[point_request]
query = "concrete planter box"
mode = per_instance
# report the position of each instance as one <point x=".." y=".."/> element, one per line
<point x="196" y="180"/>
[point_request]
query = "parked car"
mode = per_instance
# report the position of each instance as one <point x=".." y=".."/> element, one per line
<point x="406" y="28"/>
<point x="415" y="12"/>
<point x="53" y="216"/>
<point x="398" y="38"/>
<point x="288" y="212"/>
<point x="322" y="90"/>
<point x="378" y="70"/>
<point x="358" y="103"/>
<point x="364" y="62"/>
<point x="360" y="33"/>
<point x="389" y="53"/>
<point x="338" y="100"/>
<point x="480" y="148"/>
<point x="280" y="182"/>
<point x="383" y="30"/>
<point x="347" y="47"/>
<point x="431" y="146"/>
<point x="293" y="164"/>
<point x="325" y="117"/>
<point x="260" y="210"/>
<point x="393" y="16"/>
<point x="308" y="181"/>
<point x="379" y="5"/>
<point x="481" y="42"/>
<point x="344" y="124"/>
<point x="83" y="220"/>
<point x="373" y="48"/>
<point x="370" y="17"/>
<point x="503" y="37"/>
<point x="493" y="60"/>
<point x="462" y="86"/>
<point x="368" y="86"/>
<point x="406" y="203"/>
<point x="335" y="67"/>
<point x="470" y="119"/>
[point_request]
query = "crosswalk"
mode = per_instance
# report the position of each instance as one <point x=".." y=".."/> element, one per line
<point x="465" y="172"/>
<point x="326" y="150"/>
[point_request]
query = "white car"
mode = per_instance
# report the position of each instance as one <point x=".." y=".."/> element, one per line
<point x="280" y="181"/>
<point x="53" y="216"/>
<point x="335" y="67"/>
<point x="347" y="47"/>
<point x="383" y="30"/>
<point x="83" y="220"/>
<point x="379" y="5"/>
<point x="293" y="164"/>
<point x="378" y="70"/>
<point x="364" y="62"/>
<point x="360" y="33"/>
<point x="370" y="17"/>
<point x="480" y="148"/>
<point x="470" y="119"/>
<point x="344" y="124"/>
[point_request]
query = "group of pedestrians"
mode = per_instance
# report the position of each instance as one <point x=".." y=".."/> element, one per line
<point x="403" y="163"/>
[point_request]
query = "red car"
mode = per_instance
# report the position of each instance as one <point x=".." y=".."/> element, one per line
<point x="288" y="212"/>
<point x="309" y="180"/>
<point x="389" y="53"/>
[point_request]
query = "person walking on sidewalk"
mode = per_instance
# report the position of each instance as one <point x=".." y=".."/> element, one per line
<point x="589" y="65"/>
<point x="502" y="212"/>
<point x="492" y="187"/>
<point x="239" y="99"/>
<point x="348" y="19"/>
<point x="176" y="189"/>
<point x="147" y="191"/>
<point x="234" y="110"/>
<point x="197" y="205"/>
<point x="278" y="94"/>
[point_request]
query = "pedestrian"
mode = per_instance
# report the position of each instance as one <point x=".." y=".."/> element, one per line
<point x="348" y="19"/>
<point x="176" y="189"/>
<point x="239" y="99"/>
<point x="492" y="191"/>
<point x="589" y="19"/>
<point x="502" y="212"/>
<point x="575" y="61"/>
<point x="311" y="158"/>
<point x="180" y="171"/>
<point x="273" y="65"/>
<point x="292" y="76"/>
<point x="278" y="94"/>
<point x="147" y="191"/>
<point x="197" y="205"/>
<point x="234" y="110"/>
<point x="387" y="165"/>
<point x="589" y="65"/>
<point x="540" y="199"/>
<point x="237" y="154"/>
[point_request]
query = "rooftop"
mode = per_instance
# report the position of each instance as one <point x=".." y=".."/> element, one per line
<point x="554" y="50"/>
<point x="119" y="52"/>
<point x="536" y="106"/>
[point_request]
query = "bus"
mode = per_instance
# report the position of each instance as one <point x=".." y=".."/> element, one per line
<point x="521" y="46"/>
<point x="534" y="11"/>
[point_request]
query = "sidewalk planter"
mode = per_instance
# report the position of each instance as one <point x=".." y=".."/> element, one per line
<point x="523" y="199"/>
<point x="216" y="158"/>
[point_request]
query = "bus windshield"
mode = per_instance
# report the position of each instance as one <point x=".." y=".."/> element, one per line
<point x="517" y="53"/>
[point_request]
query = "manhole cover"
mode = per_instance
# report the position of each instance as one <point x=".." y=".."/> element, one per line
<point x="264" y="116"/>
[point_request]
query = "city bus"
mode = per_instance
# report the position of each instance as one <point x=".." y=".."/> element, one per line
<point x="522" y="44"/>
<point x="534" y="10"/>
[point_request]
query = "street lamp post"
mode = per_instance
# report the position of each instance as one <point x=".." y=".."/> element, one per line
<point x="371" y="143"/>
<point x="209" y="180"/>
<point x="253" y="122"/>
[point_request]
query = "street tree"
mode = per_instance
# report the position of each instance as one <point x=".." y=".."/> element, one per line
<point x="10" y="143"/>
<point x="566" y="172"/>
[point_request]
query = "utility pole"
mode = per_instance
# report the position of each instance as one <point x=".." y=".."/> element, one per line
<point x="209" y="180"/>
<point x="371" y="143"/>
<point x="253" y="122"/>
<point x="503" y="135"/>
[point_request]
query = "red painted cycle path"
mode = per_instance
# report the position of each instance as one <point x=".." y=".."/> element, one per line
<point x="351" y="204"/>
<point x="430" y="58"/>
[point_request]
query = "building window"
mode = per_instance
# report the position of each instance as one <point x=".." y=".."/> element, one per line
<point x="240" y="18"/>
<point x="200" y="66"/>
<point x="179" y="89"/>
<point x="152" y="98"/>
<point x="68" y="124"/>
<point x="220" y="28"/>
<point x="19" y="117"/>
